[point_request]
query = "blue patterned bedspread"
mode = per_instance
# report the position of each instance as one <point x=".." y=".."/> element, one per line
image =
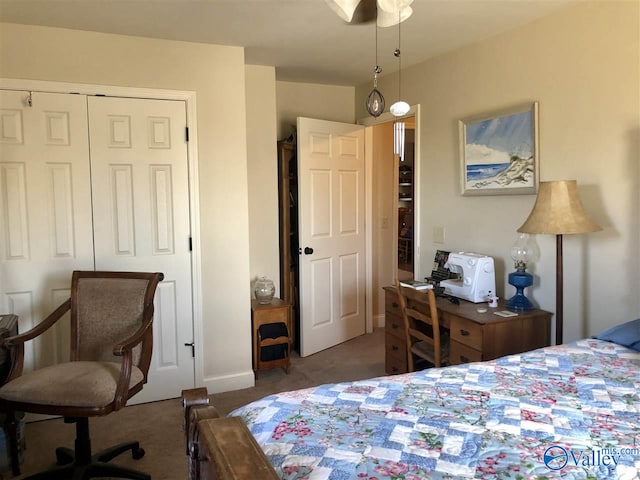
<point x="570" y="411"/>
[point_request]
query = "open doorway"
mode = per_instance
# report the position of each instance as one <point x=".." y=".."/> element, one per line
<point x="405" y="210"/>
<point x="396" y="198"/>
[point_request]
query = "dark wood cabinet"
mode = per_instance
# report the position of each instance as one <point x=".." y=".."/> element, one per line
<point x="288" y="211"/>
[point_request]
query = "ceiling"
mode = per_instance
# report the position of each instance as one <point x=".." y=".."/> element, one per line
<point x="304" y="39"/>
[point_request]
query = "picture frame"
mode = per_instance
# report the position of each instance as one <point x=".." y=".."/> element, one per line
<point x="499" y="152"/>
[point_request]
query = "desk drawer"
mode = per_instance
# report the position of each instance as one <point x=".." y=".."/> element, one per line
<point x="467" y="332"/>
<point x="460" y="353"/>
<point x="395" y="362"/>
<point x="392" y="304"/>
<point x="395" y="345"/>
<point x="394" y="325"/>
<point x="271" y="315"/>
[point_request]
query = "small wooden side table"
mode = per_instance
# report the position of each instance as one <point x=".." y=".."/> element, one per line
<point x="271" y="334"/>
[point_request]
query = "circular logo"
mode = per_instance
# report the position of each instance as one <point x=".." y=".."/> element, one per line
<point x="555" y="457"/>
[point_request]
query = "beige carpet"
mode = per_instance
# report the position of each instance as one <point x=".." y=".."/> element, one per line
<point x="158" y="425"/>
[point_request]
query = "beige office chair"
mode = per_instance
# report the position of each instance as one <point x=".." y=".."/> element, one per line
<point x="422" y="327"/>
<point x="111" y="343"/>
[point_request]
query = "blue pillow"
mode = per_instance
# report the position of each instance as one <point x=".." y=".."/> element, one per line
<point x="626" y="334"/>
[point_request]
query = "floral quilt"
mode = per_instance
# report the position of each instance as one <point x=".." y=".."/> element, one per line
<point x="570" y="411"/>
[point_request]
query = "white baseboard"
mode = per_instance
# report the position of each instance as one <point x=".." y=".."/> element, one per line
<point x="227" y="383"/>
<point x="378" y="321"/>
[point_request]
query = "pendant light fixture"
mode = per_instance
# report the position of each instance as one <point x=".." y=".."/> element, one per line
<point x="375" y="100"/>
<point x="399" y="108"/>
<point x="398" y="138"/>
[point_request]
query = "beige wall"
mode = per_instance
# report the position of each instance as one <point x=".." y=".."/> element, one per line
<point x="582" y="65"/>
<point x="217" y="75"/>
<point x="324" y="102"/>
<point x="262" y="157"/>
<point x="383" y="217"/>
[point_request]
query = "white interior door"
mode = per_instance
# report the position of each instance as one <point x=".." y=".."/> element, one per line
<point x="45" y="211"/>
<point x="141" y="208"/>
<point x="332" y="234"/>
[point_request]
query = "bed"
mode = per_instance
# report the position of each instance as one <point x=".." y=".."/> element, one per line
<point x="569" y="411"/>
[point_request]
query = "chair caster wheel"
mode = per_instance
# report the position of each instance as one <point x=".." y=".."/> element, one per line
<point x="137" y="453"/>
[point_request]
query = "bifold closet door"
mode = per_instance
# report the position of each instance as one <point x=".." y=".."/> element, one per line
<point x="140" y="193"/>
<point x="45" y="211"/>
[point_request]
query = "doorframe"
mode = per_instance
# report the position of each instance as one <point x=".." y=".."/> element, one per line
<point x="189" y="97"/>
<point x="387" y="117"/>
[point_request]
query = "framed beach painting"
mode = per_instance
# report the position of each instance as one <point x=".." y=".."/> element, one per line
<point x="499" y="152"/>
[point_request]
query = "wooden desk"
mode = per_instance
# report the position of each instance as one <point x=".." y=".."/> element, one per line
<point x="474" y="336"/>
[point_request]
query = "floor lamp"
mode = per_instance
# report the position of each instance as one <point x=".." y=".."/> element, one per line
<point x="558" y="211"/>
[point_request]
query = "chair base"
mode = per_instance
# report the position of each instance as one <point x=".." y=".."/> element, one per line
<point x="81" y="465"/>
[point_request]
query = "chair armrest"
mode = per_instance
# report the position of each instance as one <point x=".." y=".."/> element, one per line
<point x="15" y="344"/>
<point x="126" y="345"/>
<point x="124" y="349"/>
<point x="40" y="328"/>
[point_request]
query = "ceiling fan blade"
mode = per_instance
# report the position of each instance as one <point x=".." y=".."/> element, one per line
<point x="344" y="8"/>
<point x="365" y="12"/>
<point x="388" y="12"/>
<point x="385" y="12"/>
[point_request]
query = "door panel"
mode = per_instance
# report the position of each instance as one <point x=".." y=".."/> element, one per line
<point x="331" y="219"/>
<point x="45" y="211"/>
<point x="141" y="205"/>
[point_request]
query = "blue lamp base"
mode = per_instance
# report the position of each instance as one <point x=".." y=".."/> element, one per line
<point x="520" y="280"/>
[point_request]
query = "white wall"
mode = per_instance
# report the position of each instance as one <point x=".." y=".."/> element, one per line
<point x="324" y="102"/>
<point x="262" y="161"/>
<point x="581" y="64"/>
<point x="217" y="75"/>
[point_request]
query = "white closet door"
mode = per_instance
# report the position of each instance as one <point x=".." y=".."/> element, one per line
<point x="141" y="208"/>
<point x="45" y="211"/>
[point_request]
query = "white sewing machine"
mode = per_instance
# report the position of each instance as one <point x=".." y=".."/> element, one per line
<point x="476" y="276"/>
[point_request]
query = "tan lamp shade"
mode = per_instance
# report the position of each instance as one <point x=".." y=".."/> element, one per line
<point x="558" y="210"/>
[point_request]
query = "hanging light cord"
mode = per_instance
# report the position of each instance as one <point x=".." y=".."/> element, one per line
<point x="376" y="70"/>
<point x="399" y="59"/>
<point x="400" y="108"/>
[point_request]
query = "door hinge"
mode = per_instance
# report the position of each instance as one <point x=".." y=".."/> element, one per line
<point x="190" y="244"/>
<point x="186" y="134"/>
<point x="193" y="348"/>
